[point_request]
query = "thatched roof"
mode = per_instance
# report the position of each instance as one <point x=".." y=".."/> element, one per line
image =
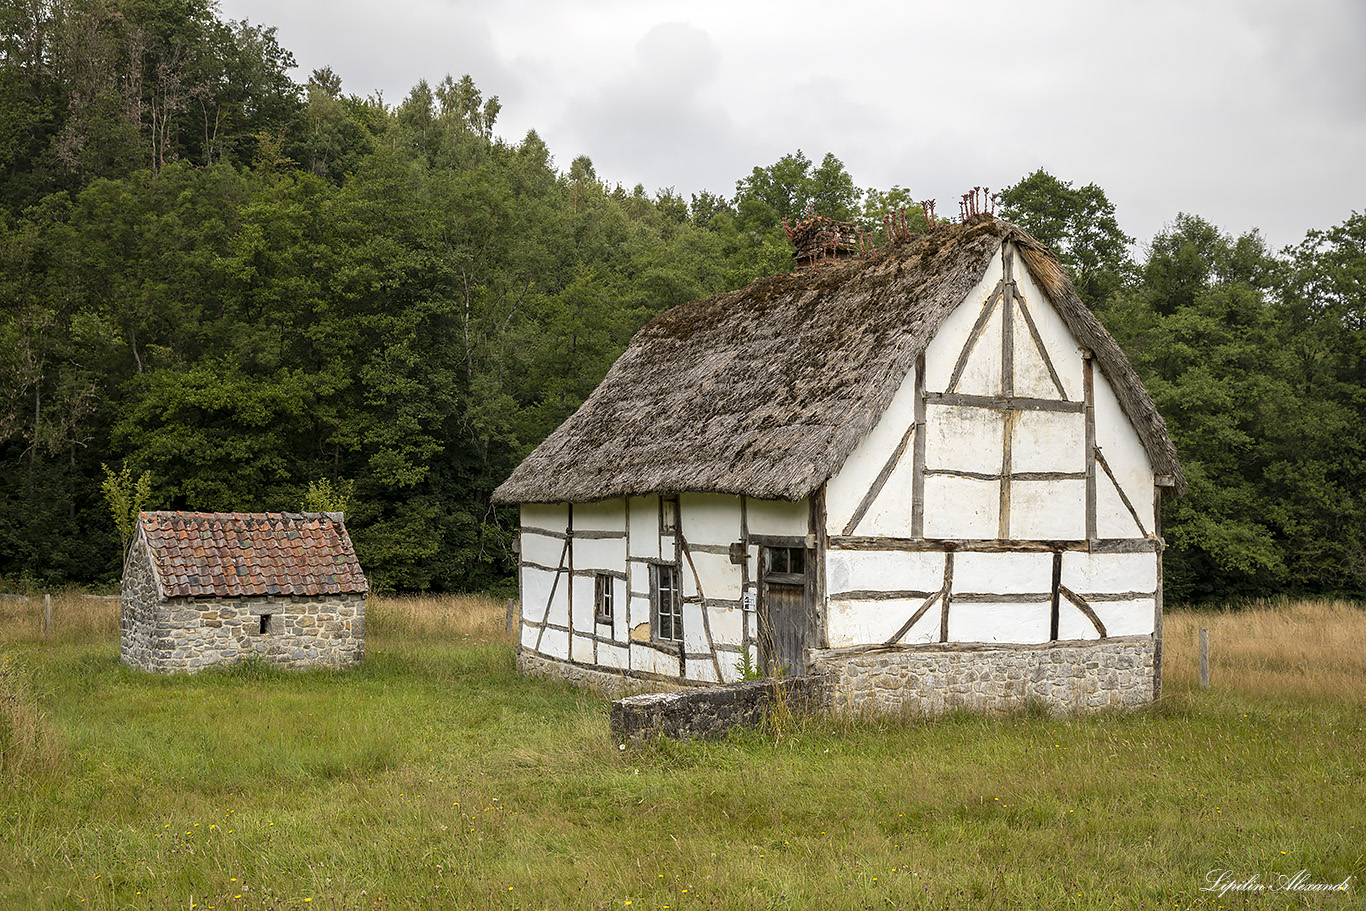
<point x="766" y="391"/>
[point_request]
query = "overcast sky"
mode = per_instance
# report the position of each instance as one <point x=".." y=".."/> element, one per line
<point x="1250" y="113"/>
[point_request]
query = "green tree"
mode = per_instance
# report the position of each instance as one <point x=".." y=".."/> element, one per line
<point x="1079" y="225"/>
<point x="324" y="496"/>
<point x="787" y="187"/>
<point x="126" y="497"/>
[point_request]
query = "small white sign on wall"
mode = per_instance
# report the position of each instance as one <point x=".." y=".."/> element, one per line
<point x="751" y="601"/>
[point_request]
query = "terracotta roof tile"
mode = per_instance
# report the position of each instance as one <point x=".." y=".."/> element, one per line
<point x="202" y="554"/>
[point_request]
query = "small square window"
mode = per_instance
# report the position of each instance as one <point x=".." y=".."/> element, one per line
<point x="265" y="624"/>
<point x="602" y="598"/>
<point x="668" y="604"/>
<point x="786" y="560"/>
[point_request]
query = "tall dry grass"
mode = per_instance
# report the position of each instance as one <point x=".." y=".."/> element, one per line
<point x="476" y="618"/>
<point x="30" y="747"/>
<point x="76" y="618"/>
<point x="1272" y="648"/>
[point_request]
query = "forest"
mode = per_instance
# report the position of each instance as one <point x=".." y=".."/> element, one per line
<point x="223" y="290"/>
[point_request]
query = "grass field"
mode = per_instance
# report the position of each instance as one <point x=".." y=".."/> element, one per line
<point x="435" y="777"/>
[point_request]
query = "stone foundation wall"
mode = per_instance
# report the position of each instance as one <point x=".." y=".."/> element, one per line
<point x="188" y="634"/>
<point x="710" y="711"/>
<point x="928" y="680"/>
<point x="613" y="684"/>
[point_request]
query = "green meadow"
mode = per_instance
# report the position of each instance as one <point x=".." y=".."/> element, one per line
<point x="436" y="777"/>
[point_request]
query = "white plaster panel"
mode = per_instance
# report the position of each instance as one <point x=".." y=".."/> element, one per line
<point x="1109" y="573"/>
<point x="965" y="439"/>
<point x="582" y="649"/>
<point x="703" y="670"/>
<point x="777" y="517"/>
<point x="606" y="515"/>
<point x="868" y="622"/>
<point x="621" y="599"/>
<point x="694" y="634"/>
<point x="542" y="549"/>
<point x="1113" y="519"/>
<point x="1126" y="618"/>
<point x="855" y="478"/>
<point x="651" y="661"/>
<point x="1007" y="622"/>
<point x="615" y="657"/>
<point x="686" y="580"/>
<point x="1073" y="624"/>
<point x="536" y="586"/>
<point x="600" y="553"/>
<point x="555" y="643"/>
<point x="709" y="518"/>
<point x="583" y="602"/>
<point x="1048" y="510"/>
<point x="889" y="515"/>
<point x="727" y="625"/>
<point x="1031" y="372"/>
<point x="730" y="666"/>
<point x="1063" y="348"/>
<point x="961" y="507"/>
<point x="550" y="516"/>
<point x="982" y="372"/>
<point x="639" y="574"/>
<point x="528" y="637"/>
<point x="720" y="578"/>
<point x="1048" y="441"/>
<point x="1002" y="574"/>
<point x="639" y="612"/>
<point x="644" y="526"/>
<point x="1123" y="450"/>
<point x="880" y="570"/>
<point x="942" y="352"/>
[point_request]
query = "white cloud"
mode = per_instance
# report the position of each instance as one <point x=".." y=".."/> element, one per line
<point x="1250" y="113"/>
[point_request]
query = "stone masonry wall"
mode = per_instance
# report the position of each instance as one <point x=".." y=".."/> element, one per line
<point x="137" y="616"/>
<point x="928" y="680"/>
<point x="710" y="711"/>
<point x="188" y="634"/>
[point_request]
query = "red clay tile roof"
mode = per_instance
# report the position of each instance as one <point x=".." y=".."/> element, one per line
<point x="230" y="554"/>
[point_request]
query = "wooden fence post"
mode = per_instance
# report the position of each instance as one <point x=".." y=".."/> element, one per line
<point x="511" y="614"/>
<point x="1204" y="658"/>
<point x="47" y="615"/>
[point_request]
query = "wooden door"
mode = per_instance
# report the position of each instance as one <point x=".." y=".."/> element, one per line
<point x="782" y="613"/>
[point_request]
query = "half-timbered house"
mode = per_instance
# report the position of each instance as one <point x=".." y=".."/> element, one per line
<point x="926" y="473"/>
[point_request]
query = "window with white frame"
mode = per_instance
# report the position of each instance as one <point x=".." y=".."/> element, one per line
<point x="602" y="598"/>
<point x="667" y="602"/>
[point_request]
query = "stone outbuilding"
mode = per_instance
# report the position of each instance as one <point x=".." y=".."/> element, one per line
<point x="201" y="589"/>
<point x="926" y="474"/>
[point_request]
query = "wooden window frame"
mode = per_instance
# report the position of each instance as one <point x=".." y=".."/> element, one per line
<point x="781" y="556"/>
<point x="666" y="603"/>
<point x="603" y="599"/>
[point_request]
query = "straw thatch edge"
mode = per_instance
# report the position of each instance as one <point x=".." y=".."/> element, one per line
<point x="710" y="398"/>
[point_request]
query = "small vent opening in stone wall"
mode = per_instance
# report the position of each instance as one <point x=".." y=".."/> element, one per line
<point x="265" y="624"/>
